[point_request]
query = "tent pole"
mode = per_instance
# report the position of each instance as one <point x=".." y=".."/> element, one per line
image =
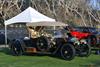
<point x="29" y="35"/>
<point x="54" y="27"/>
<point x="5" y="35"/>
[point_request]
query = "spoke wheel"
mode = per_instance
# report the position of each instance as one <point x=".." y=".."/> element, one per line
<point x="85" y="50"/>
<point x="16" y="48"/>
<point x="92" y="40"/>
<point x="42" y="44"/>
<point x="67" y="52"/>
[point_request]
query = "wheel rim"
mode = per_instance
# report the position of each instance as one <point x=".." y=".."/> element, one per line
<point x="92" y="40"/>
<point x="85" y="50"/>
<point x="16" y="49"/>
<point x="67" y="52"/>
<point x="42" y="44"/>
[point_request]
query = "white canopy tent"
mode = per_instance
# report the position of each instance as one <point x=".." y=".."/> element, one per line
<point x="43" y="23"/>
<point x="31" y="16"/>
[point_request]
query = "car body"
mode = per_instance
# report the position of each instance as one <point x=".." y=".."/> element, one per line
<point x="56" y="42"/>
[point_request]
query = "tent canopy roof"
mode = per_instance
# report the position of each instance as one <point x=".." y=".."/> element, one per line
<point x="46" y="24"/>
<point x="27" y="16"/>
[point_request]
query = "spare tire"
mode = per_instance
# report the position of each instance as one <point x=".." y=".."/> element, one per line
<point x="43" y="43"/>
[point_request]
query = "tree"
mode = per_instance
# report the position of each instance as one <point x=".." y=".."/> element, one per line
<point x="9" y="8"/>
<point x="73" y="12"/>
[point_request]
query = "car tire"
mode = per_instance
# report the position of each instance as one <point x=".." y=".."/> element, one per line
<point x="85" y="50"/>
<point x="16" y="48"/>
<point x="67" y="52"/>
<point x="92" y="40"/>
<point x="43" y="43"/>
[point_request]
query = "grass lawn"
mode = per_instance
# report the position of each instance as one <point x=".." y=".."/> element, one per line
<point x="7" y="60"/>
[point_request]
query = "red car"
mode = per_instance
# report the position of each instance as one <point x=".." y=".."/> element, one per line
<point x="83" y="33"/>
<point x="79" y="35"/>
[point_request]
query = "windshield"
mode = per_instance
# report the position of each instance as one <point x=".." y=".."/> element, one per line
<point x="49" y="31"/>
<point x="86" y="29"/>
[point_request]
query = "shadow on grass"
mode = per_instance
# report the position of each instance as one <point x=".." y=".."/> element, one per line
<point x="93" y="64"/>
<point x="96" y="63"/>
<point x="40" y="54"/>
<point x="7" y="51"/>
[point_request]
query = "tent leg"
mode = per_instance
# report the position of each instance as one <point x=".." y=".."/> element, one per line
<point x="5" y="35"/>
<point x="54" y="29"/>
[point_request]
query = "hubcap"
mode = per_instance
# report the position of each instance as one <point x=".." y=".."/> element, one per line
<point x="15" y="48"/>
<point x="41" y="44"/>
<point x="66" y="52"/>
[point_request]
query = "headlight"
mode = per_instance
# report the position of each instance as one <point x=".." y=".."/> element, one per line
<point x="26" y="38"/>
<point x="77" y="42"/>
<point x="83" y="41"/>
